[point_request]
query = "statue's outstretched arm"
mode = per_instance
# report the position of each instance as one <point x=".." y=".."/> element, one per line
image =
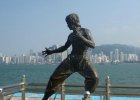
<point x="58" y="50"/>
<point x="62" y="48"/>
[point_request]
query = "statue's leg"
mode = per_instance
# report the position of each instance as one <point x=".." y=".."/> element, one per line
<point x="90" y="74"/>
<point x="59" y="75"/>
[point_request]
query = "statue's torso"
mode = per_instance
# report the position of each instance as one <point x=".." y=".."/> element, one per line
<point x="78" y="46"/>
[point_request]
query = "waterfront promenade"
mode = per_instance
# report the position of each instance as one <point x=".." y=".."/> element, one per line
<point x="31" y="91"/>
<point x="77" y="98"/>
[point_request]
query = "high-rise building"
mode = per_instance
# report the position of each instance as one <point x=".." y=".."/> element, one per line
<point x="117" y="54"/>
<point x="125" y="57"/>
<point x="31" y="52"/>
<point x="121" y="57"/>
<point x="14" y="59"/>
<point x="7" y="59"/>
<point x="132" y="57"/>
<point x="64" y="55"/>
<point x="111" y="56"/>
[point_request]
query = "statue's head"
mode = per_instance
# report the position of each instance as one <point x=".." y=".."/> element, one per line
<point x="73" y="21"/>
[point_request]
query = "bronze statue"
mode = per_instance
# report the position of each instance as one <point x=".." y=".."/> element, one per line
<point x="77" y="61"/>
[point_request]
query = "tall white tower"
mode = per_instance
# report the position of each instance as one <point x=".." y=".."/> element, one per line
<point x="111" y="56"/>
<point x="117" y="54"/>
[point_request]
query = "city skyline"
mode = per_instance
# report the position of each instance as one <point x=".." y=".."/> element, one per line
<point x="114" y="56"/>
<point x="57" y="46"/>
<point x="39" y="24"/>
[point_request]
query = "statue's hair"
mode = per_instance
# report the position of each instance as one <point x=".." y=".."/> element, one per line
<point x="73" y="18"/>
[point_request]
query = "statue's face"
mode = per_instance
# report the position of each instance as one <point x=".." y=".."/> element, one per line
<point x="71" y="26"/>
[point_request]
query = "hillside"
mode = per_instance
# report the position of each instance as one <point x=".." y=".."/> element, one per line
<point x="111" y="47"/>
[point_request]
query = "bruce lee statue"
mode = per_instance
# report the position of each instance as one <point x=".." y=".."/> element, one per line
<point x="76" y="61"/>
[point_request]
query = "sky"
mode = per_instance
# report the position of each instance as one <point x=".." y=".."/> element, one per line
<point x="36" y="24"/>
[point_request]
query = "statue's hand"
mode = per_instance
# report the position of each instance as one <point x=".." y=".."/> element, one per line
<point x="46" y="52"/>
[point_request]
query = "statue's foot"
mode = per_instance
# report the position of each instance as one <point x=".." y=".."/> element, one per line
<point x="86" y="95"/>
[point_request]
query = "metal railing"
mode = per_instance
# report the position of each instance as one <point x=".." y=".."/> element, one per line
<point x="101" y="90"/>
<point x="14" y="88"/>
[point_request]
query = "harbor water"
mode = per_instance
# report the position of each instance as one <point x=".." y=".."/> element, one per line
<point x="125" y="73"/>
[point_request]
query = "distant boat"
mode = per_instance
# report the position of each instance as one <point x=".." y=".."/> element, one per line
<point x="115" y="62"/>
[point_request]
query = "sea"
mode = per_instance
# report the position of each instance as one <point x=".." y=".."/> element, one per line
<point x="119" y="74"/>
<point x="122" y="73"/>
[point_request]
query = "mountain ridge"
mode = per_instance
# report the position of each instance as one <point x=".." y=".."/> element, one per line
<point x="106" y="48"/>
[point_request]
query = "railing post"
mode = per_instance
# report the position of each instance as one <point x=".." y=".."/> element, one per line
<point x="23" y="87"/>
<point x="1" y="95"/>
<point x="62" y="91"/>
<point x="107" y="88"/>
